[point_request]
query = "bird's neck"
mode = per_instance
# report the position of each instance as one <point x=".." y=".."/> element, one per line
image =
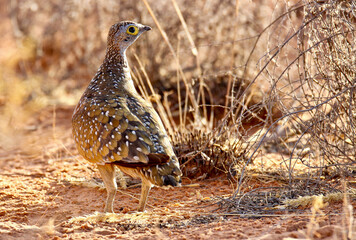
<point x="116" y="71"/>
<point x="115" y="57"/>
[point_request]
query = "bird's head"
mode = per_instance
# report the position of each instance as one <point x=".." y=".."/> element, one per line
<point x="123" y="34"/>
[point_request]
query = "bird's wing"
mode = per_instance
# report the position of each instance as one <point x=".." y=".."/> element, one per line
<point x="124" y="131"/>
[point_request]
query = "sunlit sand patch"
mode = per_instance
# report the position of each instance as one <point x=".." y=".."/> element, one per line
<point x="137" y="218"/>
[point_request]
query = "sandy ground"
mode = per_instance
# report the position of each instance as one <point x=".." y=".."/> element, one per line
<point x="48" y="192"/>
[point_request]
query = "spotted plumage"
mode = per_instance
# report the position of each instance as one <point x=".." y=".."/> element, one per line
<point x="114" y="126"/>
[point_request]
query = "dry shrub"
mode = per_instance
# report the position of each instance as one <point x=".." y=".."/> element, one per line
<point x="330" y="76"/>
<point x="318" y="97"/>
<point x="312" y="75"/>
<point x="311" y="71"/>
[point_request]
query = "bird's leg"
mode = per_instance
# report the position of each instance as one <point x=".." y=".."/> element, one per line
<point x="107" y="172"/>
<point x="121" y="178"/>
<point x="145" y="189"/>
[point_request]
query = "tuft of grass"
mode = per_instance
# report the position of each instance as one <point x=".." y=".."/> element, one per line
<point x="310" y="200"/>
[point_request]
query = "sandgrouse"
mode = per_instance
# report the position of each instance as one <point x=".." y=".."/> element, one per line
<point x="114" y="126"/>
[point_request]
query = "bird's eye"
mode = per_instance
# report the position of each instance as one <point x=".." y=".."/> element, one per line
<point x="132" y="30"/>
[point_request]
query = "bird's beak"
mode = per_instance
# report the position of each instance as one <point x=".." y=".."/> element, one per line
<point x="146" y="28"/>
